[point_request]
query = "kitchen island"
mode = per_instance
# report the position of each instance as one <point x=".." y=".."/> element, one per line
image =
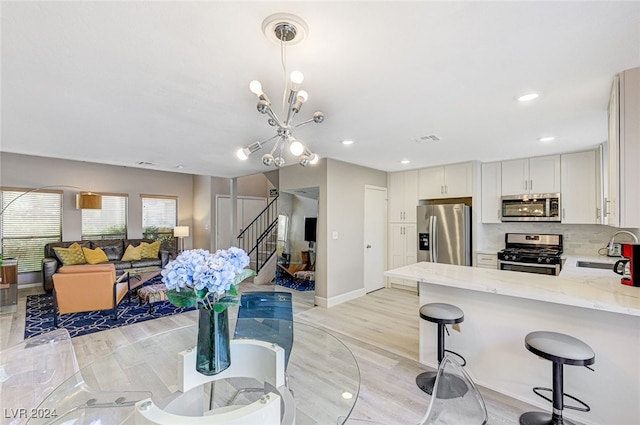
<point x="502" y="307"/>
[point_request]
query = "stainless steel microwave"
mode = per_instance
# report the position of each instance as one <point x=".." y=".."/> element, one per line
<point x="538" y="207"/>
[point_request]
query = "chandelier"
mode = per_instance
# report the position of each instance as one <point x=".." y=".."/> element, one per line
<point x="285" y="32"/>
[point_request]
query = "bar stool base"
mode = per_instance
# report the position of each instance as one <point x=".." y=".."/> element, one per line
<point x="453" y="387"/>
<point x="542" y="418"/>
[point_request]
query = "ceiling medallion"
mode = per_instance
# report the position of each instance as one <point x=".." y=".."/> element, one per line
<point x="286" y="29"/>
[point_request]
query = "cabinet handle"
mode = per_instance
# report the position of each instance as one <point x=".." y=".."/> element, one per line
<point x="498" y="215"/>
<point x="606" y="207"/>
<point x="563" y="213"/>
<point x="525" y="184"/>
<point x="597" y="213"/>
<point x="446" y="189"/>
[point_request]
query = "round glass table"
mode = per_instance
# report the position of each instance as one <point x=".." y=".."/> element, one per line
<point x="321" y="374"/>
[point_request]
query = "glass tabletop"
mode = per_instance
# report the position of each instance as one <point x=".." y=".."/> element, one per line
<point x="323" y="377"/>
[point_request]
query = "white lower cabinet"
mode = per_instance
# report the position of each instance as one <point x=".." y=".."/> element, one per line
<point x="487" y="261"/>
<point x="403" y="249"/>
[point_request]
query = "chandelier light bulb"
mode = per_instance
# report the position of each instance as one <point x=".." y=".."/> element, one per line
<point x="313" y="159"/>
<point x="302" y="96"/>
<point x="242" y="153"/>
<point x="255" y="87"/>
<point x="296" y="147"/>
<point x="296" y="79"/>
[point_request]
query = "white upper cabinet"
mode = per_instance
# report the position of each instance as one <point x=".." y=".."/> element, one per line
<point x="448" y="181"/>
<point x="491" y="192"/>
<point x="403" y="196"/>
<point x="622" y="194"/>
<point x="531" y="175"/>
<point x="579" y="188"/>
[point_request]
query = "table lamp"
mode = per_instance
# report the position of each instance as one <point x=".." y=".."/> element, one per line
<point x="181" y="232"/>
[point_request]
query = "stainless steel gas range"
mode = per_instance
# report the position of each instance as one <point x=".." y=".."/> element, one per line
<point x="531" y="253"/>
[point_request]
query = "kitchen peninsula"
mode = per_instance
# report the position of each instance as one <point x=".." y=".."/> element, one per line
<point x="502" y="307"/>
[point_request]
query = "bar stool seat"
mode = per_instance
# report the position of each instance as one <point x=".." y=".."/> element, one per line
<point x="442" y="314"/>
<point x="560" y="349"/>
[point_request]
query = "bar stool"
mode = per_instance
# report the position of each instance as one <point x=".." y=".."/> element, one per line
<point x="561" y="349"/>
<point x="442" y="314"/>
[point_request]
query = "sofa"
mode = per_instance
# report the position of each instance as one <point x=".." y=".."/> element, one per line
<point x="114" y="250"/>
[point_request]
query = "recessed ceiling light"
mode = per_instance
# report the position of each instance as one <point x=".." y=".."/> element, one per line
<point x="528" y="97"/>
<point x="405" y="161"/>
<point x="347" y="142"/>
<point x="547" y="139"/>
<point x="179" y="166"/>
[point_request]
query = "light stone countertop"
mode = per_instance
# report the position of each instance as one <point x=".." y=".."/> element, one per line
<point x="596" y="289"/>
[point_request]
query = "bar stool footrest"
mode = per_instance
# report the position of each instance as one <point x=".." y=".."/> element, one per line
<point x="586" y="407"/>
<point x="464" y="361"/>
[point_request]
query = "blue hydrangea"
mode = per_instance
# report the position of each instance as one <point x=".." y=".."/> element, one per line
<point x="198" y="269"/>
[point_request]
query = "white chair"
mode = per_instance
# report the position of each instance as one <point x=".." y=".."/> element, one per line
<point x="455" y="399"/>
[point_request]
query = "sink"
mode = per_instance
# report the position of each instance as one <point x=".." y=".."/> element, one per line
<point x="594" y="265"/>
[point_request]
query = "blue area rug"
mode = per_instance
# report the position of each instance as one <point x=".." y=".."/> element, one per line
<point x="294" y="283"/>
<point x="40" y="320"/>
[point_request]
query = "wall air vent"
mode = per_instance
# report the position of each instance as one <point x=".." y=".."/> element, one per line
<point x="427" y="139"/>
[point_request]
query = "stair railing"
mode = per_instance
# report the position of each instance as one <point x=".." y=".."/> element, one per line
<point x="255" y="239"/>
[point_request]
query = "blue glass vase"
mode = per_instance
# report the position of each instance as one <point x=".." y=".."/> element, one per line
<point x="213" y="350"/>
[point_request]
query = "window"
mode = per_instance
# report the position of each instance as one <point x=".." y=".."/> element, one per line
<point x="159" y="217"/>
<point x="110" y="222"/>
<point x="28" y="224"/>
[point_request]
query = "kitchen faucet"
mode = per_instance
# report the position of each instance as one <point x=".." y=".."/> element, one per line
<point x="615" y="250"/>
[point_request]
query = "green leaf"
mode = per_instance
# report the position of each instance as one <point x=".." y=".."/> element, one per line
<point x="243" y="275"/>
<point x="182" y="298"/>
<point x="233" y="290"/>
<point x="202" y="294"/>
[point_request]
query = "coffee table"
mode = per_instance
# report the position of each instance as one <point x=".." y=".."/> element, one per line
<point x="139" y="276"/>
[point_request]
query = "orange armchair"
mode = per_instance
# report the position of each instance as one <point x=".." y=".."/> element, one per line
<point x="88" y="288"/>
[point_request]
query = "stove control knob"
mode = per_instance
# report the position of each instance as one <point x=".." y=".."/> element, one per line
<point x="539" y="259"/>
<point x="548" y="260"/>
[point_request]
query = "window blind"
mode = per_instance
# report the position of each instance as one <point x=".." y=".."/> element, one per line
<point x="28" y="224"/>
<point x="110" y="222"/>
<point x="159" y="217"/>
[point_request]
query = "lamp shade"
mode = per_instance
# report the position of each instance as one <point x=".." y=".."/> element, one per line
<point x="181" y="231"/>
<point x="88" y="201"/>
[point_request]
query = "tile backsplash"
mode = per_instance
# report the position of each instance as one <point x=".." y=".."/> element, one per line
<point x="579" y="239"/>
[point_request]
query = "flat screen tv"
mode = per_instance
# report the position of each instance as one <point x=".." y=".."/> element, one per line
<point x="310" y="228"/>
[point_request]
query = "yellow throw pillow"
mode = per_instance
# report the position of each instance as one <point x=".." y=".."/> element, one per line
<point x="132" y="253"/>
<point x="94" y="256"/>
<point x="150" y="250"/>
<point x="70" y="256"/>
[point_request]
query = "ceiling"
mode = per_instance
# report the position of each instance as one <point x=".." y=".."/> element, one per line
<point x="166" y="83"/>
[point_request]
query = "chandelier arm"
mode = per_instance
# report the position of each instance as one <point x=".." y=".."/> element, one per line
<point x="303" y="123"/>
<point x="265" y="141"/>
<point x="275" y="147"/>
<point x="273" y="116"/>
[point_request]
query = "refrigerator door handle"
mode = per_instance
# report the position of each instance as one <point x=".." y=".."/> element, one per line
<point x="434" y="238"/>
<point x="429" y="229"/>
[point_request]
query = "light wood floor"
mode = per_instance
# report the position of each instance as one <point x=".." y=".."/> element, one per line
<point x="381" y="329"/>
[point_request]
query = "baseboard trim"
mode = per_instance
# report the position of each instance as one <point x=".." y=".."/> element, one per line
<point x="333" y="301"/>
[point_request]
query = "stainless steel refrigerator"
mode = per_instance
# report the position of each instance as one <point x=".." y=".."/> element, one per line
<point x="444" y="233"/>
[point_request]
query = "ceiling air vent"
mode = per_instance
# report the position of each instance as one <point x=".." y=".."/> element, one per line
<point x="145" y="163"/>
<point x="427" y="139"/>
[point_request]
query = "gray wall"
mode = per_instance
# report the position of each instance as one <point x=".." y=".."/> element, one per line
<point x="25" y="171"/>
<point x="339" y="262"/>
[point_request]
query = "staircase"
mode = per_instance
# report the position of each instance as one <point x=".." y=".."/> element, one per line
<point x="259" y="240"/>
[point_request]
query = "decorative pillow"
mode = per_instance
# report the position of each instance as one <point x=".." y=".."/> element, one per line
<point x="132" y="253"/>
<point x="150" y="250"/>
<point x="70" y="256"/>
<point x="94" y="256"/>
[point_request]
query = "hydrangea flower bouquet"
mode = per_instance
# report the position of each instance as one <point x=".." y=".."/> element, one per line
<point x="198" y="278"/>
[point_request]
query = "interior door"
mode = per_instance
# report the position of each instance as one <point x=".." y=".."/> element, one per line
<point x="375" y="219"/>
